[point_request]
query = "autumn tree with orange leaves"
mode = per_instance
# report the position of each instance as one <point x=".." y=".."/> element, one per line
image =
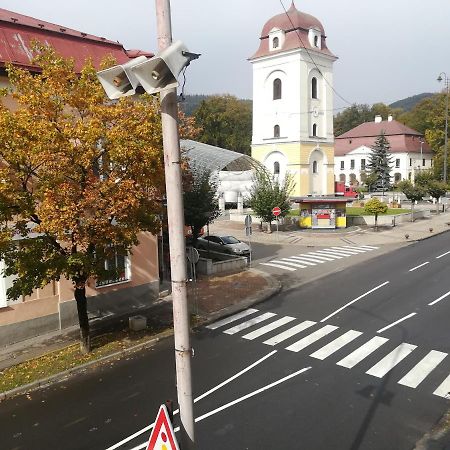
<point x="80" y="177"/>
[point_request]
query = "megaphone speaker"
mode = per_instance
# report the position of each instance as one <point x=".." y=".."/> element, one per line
<point x="161" y="71"/>
<point x="119" y="81"/>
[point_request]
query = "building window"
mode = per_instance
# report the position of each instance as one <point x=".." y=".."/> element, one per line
<point x="363" y="164"/>
<point x="342" y="177"/>
<point x="423" y="162"/>
<point x="314" y="130"/>
<point x="276" y="168"/>
<point x="342" y="165"/>
<point x="275" y="42"/>
<point x="116" y="267"/>
<point x="397" y="163"/>
<point x="352" y="164"/>
<point x="397" y="177"/>
<point x="316" y="41"/>
<point x="276" y="131"/>
<point x="276" y="89"/>
<point x="314" y="87"/>
<point x="314" y="167"/>
<point x="410" y="162"/>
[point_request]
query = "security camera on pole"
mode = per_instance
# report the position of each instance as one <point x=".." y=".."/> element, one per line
<point x="159" y="75"/>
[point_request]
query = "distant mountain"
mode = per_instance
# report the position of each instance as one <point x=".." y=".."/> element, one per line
<point x="408" y="103"/>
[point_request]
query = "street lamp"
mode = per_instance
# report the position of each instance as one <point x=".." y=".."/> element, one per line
<point x="443" y="76"/>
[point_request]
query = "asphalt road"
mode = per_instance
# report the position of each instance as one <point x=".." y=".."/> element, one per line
<point x="355" y="360"/>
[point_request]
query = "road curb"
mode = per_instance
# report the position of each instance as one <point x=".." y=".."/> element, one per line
<point x="60" y="376"/>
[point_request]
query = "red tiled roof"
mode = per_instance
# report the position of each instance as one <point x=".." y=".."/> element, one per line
<point x="18" y="31"/>
<point x="401" y="138"/>
<point x="302" y="24"/>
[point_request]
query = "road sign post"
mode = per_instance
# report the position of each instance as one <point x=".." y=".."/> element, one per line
<point x="276" y="212"/>
<point x="248" y="232"/>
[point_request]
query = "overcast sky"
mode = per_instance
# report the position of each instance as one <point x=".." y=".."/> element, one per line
<point x="387" y="49"/>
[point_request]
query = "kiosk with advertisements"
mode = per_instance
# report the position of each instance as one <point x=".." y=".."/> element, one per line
<point x="322" y="212"/>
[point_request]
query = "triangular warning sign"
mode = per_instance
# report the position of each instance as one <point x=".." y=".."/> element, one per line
<point x="162" y="437"/>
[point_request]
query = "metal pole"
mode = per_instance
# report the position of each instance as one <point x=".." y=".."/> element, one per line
<point x="175" y="217"/>
<point x="446" y="132"/>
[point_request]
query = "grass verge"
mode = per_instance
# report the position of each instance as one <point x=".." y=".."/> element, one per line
<point x="354" y="211"/>
<point x="69" y="357"/>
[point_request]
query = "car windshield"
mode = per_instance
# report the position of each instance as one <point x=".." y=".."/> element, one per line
<point x="230" y="240"/>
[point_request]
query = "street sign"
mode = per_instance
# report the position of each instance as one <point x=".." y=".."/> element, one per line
<point x="163" y="436"/>
<point x="276" y="211"/>
<point x="248" y="221"/>
<point x="192" y="255"/>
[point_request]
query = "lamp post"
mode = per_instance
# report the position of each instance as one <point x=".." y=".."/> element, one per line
<point x="443" y="76"/>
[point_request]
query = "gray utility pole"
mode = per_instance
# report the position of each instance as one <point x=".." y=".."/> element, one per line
<point x="175" y="217"/>
<point x="446" y="81"/>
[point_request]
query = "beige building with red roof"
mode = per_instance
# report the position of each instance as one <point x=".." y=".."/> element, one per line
<point x="410" y="153"/>
<point x="293" y="102"/>
<point x="53" y="307"/>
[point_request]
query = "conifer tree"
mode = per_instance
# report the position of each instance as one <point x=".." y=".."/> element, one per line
<point x="380" y="163"/>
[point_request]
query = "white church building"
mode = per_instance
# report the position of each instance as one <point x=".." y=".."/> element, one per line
<point x="293" y="102"/>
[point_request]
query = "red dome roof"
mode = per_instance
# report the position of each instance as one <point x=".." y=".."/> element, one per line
<point x="299" y="20"/>
<point x="296" y="25"/>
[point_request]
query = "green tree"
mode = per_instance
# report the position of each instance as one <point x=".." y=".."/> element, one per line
<point x="81" y="177"/>
<point x="423" y="177"/>
<point x="225" y="122"/>
<point x="355" y="115"/>
<point x="375" y="207"/>
<point x="380" y="163"/>
<point x="266" y="193"/>
<point x="412" y="193"/>
<point x="436" y="189"/>
<point x="201" y="205"/>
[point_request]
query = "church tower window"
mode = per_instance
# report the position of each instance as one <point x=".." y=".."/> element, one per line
<point x="276" y="89"/>
<point x="276" y="168"/>
<point x="314" y="129"/>
<point x="276" y="131"/>
<point x="314" y="167"/>
<point x="275" y="42"/>
<point x="314" y="87"/>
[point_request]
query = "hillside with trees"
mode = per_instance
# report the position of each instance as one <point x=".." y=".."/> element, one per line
<point x="410" y="102"/>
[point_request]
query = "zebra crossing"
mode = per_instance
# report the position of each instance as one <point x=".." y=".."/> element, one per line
<point x="268" y="323"/>
<point x="316" y="257"/>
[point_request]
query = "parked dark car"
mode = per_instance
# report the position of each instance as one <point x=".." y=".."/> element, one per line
<point x="223" y="244"/>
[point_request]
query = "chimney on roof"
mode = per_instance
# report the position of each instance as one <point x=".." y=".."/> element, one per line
<point x="390" y="118"/>
<point x="378" y="119"/>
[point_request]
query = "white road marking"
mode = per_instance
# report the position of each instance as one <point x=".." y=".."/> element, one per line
<point x="227" y="320"/>
<point x="268" y="328"/>
<point x="316" y="255"/>
<point x="289" y="333"/>
<point x="444" y="389"/>
<point x="439" y="299"/>
<point x="352" y="251"/>
<point x="362" y="352"/>
<point x="301" y="260"/>
<point x="314" y="259"/>
<point x="371" y="247"/>
<point x="357" y="249"/>
<point x="443" y="254"/>
<point x="355" y="300"/>
<point x="422" y="369"/>
<point x="289" y="262"/>
<point x="249" y="323"/>
<point x="396" y="322"/>
<point x="397" y="355"/>
<point x="419" y="266"/>
<point x="278" y="266"/>
<point x="335" y="345"/>
<point x="340" y="251"/>
<point x="311" y="338"/>
<point x="225" y="382"/>
<point x="329" y="254"/>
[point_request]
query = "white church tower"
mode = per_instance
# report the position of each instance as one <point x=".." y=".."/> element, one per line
<point x="293" y="102"/>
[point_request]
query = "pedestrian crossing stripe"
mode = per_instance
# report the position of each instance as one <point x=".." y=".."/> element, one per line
<point x="412" y="379"/>
<point x="319" y="256"/>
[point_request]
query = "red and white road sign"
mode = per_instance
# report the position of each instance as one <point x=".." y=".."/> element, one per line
<point x="276" y="211"/>
<point x="163" y="436"/>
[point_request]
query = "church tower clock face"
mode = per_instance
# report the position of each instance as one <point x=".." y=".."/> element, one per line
<point x="293" y="102"/>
